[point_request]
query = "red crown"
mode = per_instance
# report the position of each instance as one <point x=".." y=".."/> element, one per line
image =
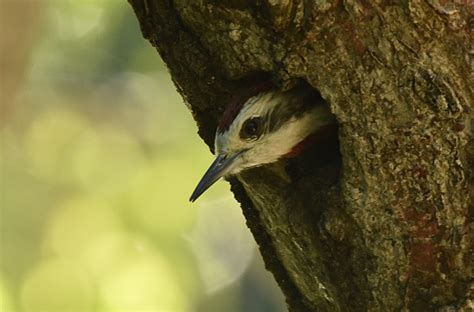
<point x="237" y="103"/>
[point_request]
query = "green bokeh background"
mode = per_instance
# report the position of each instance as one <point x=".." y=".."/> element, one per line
<point x="98" y="158"/>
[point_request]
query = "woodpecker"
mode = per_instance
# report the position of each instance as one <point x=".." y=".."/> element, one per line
<point x="264" y="125"/>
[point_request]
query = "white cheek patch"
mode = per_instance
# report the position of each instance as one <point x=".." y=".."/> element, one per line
<point x="274" y="146"/>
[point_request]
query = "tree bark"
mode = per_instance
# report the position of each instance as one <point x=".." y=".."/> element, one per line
<point x="388" y="225"/>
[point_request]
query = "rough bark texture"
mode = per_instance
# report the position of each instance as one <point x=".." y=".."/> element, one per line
<point x="389" y="227"/>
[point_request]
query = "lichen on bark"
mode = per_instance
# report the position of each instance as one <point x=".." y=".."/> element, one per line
<point x="387" y="223"/>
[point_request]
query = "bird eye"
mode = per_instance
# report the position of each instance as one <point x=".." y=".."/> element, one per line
<point x="251" y="129"/>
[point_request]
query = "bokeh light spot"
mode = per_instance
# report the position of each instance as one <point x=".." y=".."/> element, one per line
<point x="57" y="285"/>
<point x="158" y="197"/>
<point x="143" y="282"/>
<point x="50" y="143"/>
<point x="222" y="249"/>
<point x="79" y="223"/>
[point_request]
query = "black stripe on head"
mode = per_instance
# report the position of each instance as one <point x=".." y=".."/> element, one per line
<point x="292" y="103"/>
<point x="252" y="129"/>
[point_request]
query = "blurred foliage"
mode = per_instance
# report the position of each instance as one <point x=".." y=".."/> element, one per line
<point x="98" y="158"/>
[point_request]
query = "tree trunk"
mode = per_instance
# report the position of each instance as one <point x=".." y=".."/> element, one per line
<point x="387" y="225"/>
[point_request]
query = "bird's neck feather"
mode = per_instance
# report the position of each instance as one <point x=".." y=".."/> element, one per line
<point x="321" y="134"/>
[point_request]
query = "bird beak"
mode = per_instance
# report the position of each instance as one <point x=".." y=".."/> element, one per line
<point x="223" y="164"/>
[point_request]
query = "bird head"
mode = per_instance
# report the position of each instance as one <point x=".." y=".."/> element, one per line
<point x="261" y="127"/>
